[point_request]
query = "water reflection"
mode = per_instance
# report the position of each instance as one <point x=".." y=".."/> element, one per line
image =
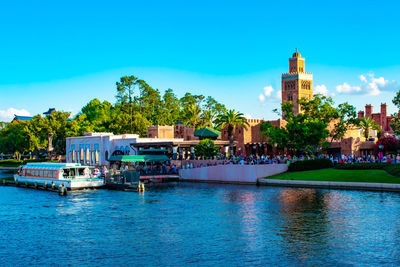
<point x="200" y="224"/>
<point x="304" y="224"/>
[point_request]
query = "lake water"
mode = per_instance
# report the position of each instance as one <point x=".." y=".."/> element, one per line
<point x="199" y="224"/>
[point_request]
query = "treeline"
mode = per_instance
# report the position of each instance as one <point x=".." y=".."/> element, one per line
<point x="137" y="106"/>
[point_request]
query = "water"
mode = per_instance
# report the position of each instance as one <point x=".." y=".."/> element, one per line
<point x="199" y="224"/>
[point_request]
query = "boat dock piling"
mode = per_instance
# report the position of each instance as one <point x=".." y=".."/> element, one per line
<point x="62" y="190"/>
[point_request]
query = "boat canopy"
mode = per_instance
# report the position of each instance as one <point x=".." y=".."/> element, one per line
<point x="138" y="158"/>
<point x="51" y="166"/>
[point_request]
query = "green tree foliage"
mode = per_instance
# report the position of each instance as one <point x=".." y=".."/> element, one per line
<point x="231" y="119"/>
<point x="16" y="138"/>
<point x="137" y="106"/>
<point x="206" y="149"/>
<point x="308" y="131"/>
<point x="395" y="124"/>
<point x="171" y="106"/>
<point x="367" y="124"/>
<point x="97" y="114"/>
<point x="344" y="117"/>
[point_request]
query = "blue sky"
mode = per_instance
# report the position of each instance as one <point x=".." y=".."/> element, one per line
<point x="64" y="53"/>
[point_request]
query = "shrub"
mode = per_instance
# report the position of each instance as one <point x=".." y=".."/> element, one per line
<point x="306" y="165"/>
<point x="393" y="169"/>
<point x="361" y="166"/>
<point x="10" y="163"/>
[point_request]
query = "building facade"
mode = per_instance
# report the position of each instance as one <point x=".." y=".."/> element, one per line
<point x="297" y="83"/>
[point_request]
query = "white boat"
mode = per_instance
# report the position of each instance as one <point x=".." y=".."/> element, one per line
<point x="71" y="175"/>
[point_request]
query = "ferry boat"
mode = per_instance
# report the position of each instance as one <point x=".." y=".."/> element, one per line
<point x="71" y="175"/>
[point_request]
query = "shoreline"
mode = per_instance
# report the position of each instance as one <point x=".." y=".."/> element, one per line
<point x="8" y="168"/>
<point x="385" y="187"/>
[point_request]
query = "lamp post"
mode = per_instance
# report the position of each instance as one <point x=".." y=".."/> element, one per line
<point x="380" y="152"/>
<point x="208" y="150"/>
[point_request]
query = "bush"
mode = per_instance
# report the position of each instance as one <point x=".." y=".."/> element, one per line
<point x="10" y="163"/>
<point x="307" y="165"/>
<point x="393" y="169"/>
<point x="361" y="166"/>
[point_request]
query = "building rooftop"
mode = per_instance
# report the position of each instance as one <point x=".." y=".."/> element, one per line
<point x="207" y="132"/>
<point x="22" y="118"/>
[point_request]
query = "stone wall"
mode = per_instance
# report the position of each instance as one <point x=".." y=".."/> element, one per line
<point x="246" y="174"/>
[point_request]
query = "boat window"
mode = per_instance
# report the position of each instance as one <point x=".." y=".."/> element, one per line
<point x="69" y="172"/>
<point x="81" y="171"/>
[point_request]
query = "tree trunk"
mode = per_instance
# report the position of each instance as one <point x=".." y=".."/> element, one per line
<point x="230" y="135"/>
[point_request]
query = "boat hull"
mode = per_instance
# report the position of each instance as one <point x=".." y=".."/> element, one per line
<point x="70" y="184"/>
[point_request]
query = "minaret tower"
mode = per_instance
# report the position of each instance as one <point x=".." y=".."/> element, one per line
<point x="296" y="84"/>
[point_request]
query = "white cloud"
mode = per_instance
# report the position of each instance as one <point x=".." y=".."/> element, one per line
<point x="345" y="88"/>
<point x="279" y="95"/>
<point x="363" y="78"/>
<point x="8" y="115"/>
<point x="269" y="94"/>
<point x="321" y="89"/>
<point x="248" y="116"/>
<point x="268" y="90"/>
<point x="369" y="86"/>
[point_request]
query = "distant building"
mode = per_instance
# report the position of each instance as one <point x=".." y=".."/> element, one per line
<point x="28" y="118"/>
<point x="21" y="118"/>
<point x="177" y="141"/>
<point x="297" y="83"/>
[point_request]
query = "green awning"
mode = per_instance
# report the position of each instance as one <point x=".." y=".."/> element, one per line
<point x="153" y="150"/>
<point x="207" y="132"/>
<point x="139" y="158"/>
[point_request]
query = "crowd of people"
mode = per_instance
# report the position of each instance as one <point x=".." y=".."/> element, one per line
<point x="169" y="168"/>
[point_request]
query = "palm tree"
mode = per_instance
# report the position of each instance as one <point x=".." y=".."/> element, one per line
<point x="366" y="124"/>
<point x="208" y="118"/>
<point x="231" y="119"/>
<point x="193" y="115"/>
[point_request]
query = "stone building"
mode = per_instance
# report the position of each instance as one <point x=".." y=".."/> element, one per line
<point x="298" y="84"/>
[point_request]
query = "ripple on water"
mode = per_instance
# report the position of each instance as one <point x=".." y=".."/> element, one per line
<point x="200" y="224"/>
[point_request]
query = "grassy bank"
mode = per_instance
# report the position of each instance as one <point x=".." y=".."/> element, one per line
<point x="335" y="175"/>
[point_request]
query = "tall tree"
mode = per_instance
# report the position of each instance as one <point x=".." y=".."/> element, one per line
<point x="171" y="107"/>
<point x="125" y="95"/>
<point x="231" y="119"/>
<point x="193" y="113"/>
<point x="395" y="123"/>
<point x="308" y="131"/>
<point x="98" y="114"/>
<point x="345" y="116"/>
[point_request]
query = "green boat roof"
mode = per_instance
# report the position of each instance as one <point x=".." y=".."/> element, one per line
<point x="207" y="132"/>
<point x="138" y="158"/>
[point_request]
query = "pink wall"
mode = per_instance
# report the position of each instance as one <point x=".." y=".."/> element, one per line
<point x="232" y="173"/>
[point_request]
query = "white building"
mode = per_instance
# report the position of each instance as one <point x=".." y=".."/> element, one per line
<point x="96" y="148"/>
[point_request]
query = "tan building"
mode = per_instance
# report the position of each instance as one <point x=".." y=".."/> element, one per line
<point x="179" y="130"/>
<point x="297" y="83"/>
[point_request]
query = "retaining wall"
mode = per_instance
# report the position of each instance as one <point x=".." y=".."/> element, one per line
<point x="248" y="174"/>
